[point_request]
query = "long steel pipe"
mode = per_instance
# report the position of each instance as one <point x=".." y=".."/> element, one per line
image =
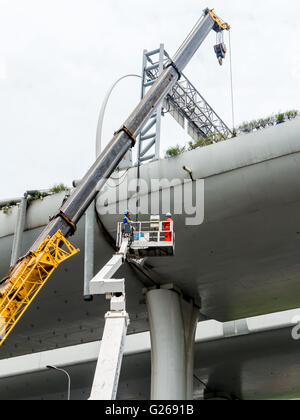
<point x="19" y="230"/>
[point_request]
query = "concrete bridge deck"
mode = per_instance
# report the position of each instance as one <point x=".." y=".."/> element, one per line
<point x="243" y="261"/>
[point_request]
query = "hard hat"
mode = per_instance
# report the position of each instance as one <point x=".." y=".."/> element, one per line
<point x="126" y="212"/>
<point x="168" y="215"/>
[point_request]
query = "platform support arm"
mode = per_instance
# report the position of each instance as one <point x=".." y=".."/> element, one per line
<point x="103" y="283"/>
<point x="108" y="369"/>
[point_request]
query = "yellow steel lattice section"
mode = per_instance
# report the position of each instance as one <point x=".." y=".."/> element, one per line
<point x="28" y="277"/>
<point x="220" y="23"/>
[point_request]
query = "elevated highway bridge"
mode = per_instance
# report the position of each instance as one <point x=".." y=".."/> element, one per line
<point x="242" y="261"/>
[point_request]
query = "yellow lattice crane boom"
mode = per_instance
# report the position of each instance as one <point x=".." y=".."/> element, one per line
<point x="28" y="277"/>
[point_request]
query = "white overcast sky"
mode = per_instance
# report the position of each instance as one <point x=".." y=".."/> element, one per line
<point x="59" y="57"/>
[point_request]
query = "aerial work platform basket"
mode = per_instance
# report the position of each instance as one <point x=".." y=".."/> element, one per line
<point x="148" y="239"/>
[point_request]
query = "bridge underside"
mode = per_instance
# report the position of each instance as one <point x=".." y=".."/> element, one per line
<point x="260" y="365"/>
<point x="243" y="261"/>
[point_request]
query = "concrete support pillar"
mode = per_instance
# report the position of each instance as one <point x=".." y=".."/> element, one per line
<point x="89" y="251"/>
<point x="173" y="322"/>
<point x="18" y="237"/>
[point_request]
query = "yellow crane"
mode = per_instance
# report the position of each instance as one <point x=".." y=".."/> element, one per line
<point x="31" y="272"/>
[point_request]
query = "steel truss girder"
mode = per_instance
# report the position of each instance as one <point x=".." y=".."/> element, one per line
<point x="184" y="103"/>
<point x="149" y="140"/>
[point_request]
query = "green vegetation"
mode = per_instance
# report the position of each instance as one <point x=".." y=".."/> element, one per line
<point x="175" y="151"/>
<point x="202" y="141"/>
<point x="8" y="205"/>
<point x="256" y="125"/>
<point x="245" y="128"/>
<point x="58" y="188"/>
<point x="36" y="195"/>
<point x="292" y="114"/>
<point x="195" y="144"/>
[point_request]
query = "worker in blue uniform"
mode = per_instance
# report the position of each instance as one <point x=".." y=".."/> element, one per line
<point x="127" y="222"/>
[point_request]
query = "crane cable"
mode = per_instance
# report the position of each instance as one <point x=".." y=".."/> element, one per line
<point x="231" y="84"/>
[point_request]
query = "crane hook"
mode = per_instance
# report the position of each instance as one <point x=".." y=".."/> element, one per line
<point x="220" y="50"/>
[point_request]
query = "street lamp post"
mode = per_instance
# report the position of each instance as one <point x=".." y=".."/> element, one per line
<point x="66" y="373"/>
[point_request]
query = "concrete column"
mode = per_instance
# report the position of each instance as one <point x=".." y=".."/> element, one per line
<point x="18" y="237"/>
<point x="89" y="251"/>
<point x="173" y="323"/>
